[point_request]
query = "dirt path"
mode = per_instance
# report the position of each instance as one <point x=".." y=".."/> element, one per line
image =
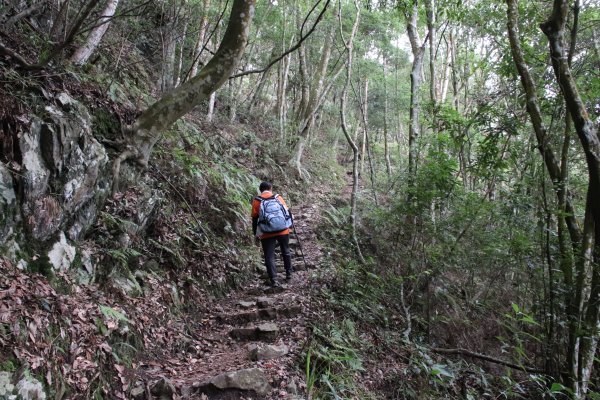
<point x="250" y="345"/>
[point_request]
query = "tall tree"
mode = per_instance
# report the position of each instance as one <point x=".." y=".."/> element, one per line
<point x="316" y="90"/>
<point x="349" y="45"/>
<point x="418" y="52"/>
<point x="589" y="138"/>
<point x="143" y="134"/>
<point x="582" y="314"/>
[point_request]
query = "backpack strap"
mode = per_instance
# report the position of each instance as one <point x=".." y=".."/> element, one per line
<point x="261" y="199"/>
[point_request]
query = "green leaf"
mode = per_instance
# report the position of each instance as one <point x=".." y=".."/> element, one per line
<point x="515" y="308"/>
<point x="528" y="319"/>
<point x="557" y="387"/>
<point x="440" y="369"/>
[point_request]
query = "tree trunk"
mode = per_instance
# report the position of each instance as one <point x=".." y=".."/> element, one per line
<point x="533" y="109"/>
<point x="233" y="92"/>
<point x="363" y="151"/>
<point x="281" y="95"/>
<point x="386" y="150"/>
<point x="255" y="100"/>
<point x="210" y="113"/>
<point x="305" y="126"/>
<point x="168" y="41"/>
<point x="446" y="74"/>
<point x="83" y="53"/>
<point x="366" y="145"/>
<point x="303" y="82"/>
<point x="349" y="48"/>
<point x="59" y="25"/>
<point x="201" y="38"/>
<point x="554" y="29"/>
<point x="453" y="73"/>
<point x="147" y="129"/>
<point x="596" y="42"/>
<point x="180" y="58"/>
<point x="418" y="52"/>
<point x="316" y="88"/>
<point x="430" y="11"/>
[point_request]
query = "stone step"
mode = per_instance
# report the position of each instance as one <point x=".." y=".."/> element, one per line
<point x="247" y="316"/>
<point x="258" y="352"/>
<point x="265" y="302"/>
<point x="266" y="332"/>
<point x="281" y="271"/>
<point x="248" y="382"/>
<point x="246" y="304"/>
<point x="260" y="314"/>
<point x="273" y="290"/>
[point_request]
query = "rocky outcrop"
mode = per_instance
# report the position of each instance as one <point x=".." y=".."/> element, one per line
<point x="65" y="175"/>
<point x="27" y="388"/>
<point x="52" y="191"/>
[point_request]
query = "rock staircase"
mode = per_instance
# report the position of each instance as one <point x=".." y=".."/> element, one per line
<point x="248" y="349"/>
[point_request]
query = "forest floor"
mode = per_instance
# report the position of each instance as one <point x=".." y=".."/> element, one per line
<point x="249" y="344"/>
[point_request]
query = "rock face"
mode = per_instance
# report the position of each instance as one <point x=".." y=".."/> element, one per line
<point x="65" y="171"/>
<point x="64" y="176"/>
<point x="56" y="182"/>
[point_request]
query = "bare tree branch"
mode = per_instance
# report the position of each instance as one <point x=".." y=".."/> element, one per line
<point x="25" y="13"/>
<point x="15" y="56"/>
<point x="291" y="49"/>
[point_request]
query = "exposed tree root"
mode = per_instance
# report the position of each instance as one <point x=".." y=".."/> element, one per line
<point x="467" y="353"/>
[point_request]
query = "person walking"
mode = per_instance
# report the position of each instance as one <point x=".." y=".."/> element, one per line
<point x="271" y="223"/>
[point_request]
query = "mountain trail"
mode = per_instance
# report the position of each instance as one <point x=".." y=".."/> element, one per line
<point x="250" y="344"/>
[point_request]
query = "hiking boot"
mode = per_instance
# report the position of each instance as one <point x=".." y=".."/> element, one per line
<point x="275" y="284"/>
<point x="288" y="278"/>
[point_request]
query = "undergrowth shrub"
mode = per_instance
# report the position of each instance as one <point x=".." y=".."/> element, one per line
<point x="332" y="361"/>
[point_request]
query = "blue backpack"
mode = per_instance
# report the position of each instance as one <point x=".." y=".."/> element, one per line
<point x="272" y="215"/>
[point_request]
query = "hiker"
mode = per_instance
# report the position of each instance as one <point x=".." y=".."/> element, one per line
<point x="271" y="223"/>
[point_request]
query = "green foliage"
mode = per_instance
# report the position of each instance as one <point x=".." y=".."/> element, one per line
<point x="362" y="295"/>
<point x="332" y="361"/>
<point x="110" y="312"/>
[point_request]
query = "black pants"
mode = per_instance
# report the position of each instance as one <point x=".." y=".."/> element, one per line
<point x="268" y="246"/>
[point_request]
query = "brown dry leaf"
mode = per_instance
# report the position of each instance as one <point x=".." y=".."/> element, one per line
<point x="111" y="325"/>
<point x="105" y="346"/>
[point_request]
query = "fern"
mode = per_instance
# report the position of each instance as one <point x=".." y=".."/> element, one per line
<point x="111" y="313"/>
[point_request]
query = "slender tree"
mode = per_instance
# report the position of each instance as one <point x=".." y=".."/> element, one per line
<point x="348" y="44"/>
